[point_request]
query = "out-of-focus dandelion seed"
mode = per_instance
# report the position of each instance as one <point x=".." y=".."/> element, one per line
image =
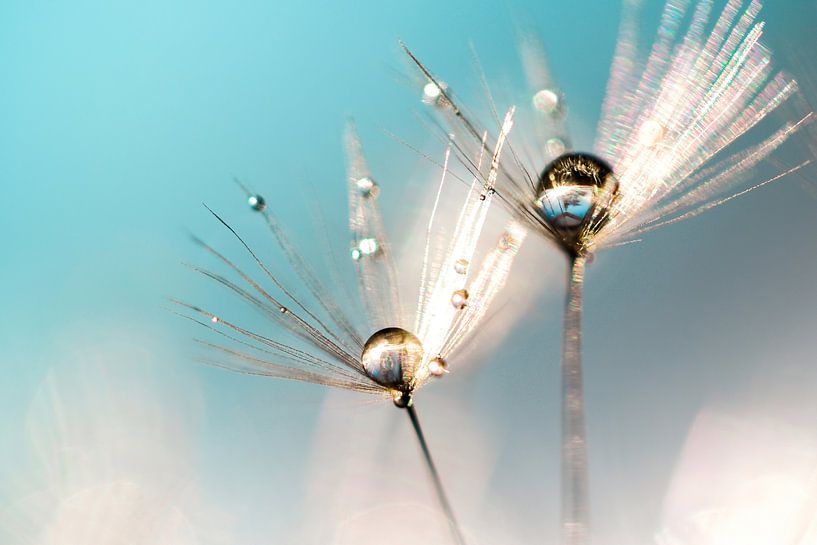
<point x="365" y="247"/>
<point x="109" y="469"/>
<point x="459" y="299"/>
<point x="398" y="358"/>
<point x="663" y="153"/>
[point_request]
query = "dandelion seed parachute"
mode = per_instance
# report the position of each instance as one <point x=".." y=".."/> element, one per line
<point x="108" y="469"/>
<point x="393" y="361"/>
<point x="662" y="155"/>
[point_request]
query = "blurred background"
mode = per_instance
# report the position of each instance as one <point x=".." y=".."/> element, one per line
<point x="120" y="119"/>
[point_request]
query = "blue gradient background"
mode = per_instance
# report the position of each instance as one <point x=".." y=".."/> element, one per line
<point x="119" y="119"/>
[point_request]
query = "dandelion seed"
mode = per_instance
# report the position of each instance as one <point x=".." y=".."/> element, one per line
<point x="661" y="156"/>
<point x="396" y="360"/>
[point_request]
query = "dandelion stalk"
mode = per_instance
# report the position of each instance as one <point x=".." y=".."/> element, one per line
<point x="575" y="514"/>
<point x="456" y="532"/>
<point x="669" y="130"/>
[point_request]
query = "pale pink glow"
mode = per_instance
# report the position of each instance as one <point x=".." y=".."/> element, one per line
<point x="365" y="484"/>
<point x="117" y="513"/>
<point x="743" y="480"/>
<point x="112" y="452"/>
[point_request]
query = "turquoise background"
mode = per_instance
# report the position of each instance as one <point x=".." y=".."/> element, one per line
<point x="120" y="118"/>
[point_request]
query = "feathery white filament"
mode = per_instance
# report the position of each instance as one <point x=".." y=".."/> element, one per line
<point x="438" y="315"/>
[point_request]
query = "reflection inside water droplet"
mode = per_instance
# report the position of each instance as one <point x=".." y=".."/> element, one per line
<point x="391" y="357"/>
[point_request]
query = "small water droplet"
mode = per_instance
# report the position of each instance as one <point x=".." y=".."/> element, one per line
<point x="257" y="202"/>
<point x="214" y="319"/>
<point x="459" y="299"/>
<point x="433" y="93"/>
<point x="461" y="266"/>
<point x="547" y="101"/>
<point x="555" y="147"/>
<point x="437" y="366"/>
<point x="366" y="187"/>
<point x="368" y="246"/>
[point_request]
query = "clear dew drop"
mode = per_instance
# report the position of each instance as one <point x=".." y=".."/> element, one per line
<point x="364" y="248"/>
<point x="257" y="202"/>
<point x="555" y="147"/>
<point x="547" y="101"/>
<point x="391" y="357"/>
<point x="459" y="299"/>
<point x="366" y="187"/>
<point x="433" y="93"/>
<point x="461" y="266"/>
<point x="368" y="246"/>
<point x="214" y="319"/>
<point x="437" y="366"/>
<point x="568" y="189"/>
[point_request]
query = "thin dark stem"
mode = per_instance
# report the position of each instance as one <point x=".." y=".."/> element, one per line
<point x="456" y="532"/>
<point x="575" y="504"/>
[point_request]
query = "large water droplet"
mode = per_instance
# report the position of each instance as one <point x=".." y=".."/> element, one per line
<point x="391" y="357"/>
